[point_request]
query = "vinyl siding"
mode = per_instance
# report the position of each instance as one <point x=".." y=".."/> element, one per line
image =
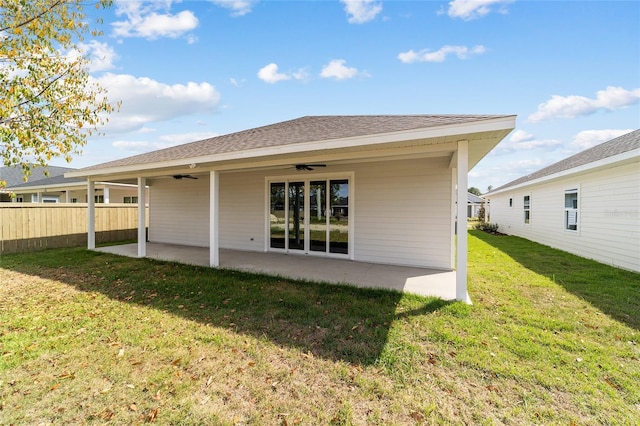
<point x="608" y="215"/>
<point x="179" y="211"/>
<point x="401" y="211"/>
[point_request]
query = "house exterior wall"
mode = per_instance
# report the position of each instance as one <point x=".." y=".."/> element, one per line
<point x="400" y="210"/>
<point x="608" y="215"/>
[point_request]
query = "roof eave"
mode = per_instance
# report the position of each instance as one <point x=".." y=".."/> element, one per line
<point x="486" y="125"/>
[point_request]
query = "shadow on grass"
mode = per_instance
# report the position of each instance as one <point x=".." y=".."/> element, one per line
<point x="616" y="292"/>
<point x="329" y="321"/>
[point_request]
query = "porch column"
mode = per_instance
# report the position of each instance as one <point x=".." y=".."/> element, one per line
<point x="214" y="210"/>
<point x="106" y="194"/>
<point x="142" y="222"/>
<point x="91" y="215"/>
<point x="461" y="247"/>
<point x="67" y="196"/>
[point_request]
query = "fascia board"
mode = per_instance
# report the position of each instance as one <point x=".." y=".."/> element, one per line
<point x="501" y="123"/>
<point x="625" y="157"/>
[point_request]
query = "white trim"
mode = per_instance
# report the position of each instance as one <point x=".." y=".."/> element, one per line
<point x="214" y="219"/>
<point x="91" y="215"/>
<point x="142" y="225"/>
<point x="461" y="246"/>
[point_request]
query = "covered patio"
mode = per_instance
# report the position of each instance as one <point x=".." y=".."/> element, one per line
<point x="421" y="281"/>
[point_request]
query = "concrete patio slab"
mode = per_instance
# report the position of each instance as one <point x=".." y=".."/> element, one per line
<point x="425" y="282"/>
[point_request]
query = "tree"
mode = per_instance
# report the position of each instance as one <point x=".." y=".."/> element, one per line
<point x="474" y="191"/>
<point x="489" y="188"/>
<point x="48" y="103"/>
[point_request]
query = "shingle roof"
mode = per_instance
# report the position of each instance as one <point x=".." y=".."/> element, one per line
<point x="473" y="198"/>
<point x="14" y="175"/>
<point x="619" y="145"/>
<point x="53" y="180"/>
<point x="300" y="130"/>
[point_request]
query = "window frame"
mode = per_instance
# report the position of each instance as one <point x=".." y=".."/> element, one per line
<point x="526" y="207"/>
<point x="574" y="208"/>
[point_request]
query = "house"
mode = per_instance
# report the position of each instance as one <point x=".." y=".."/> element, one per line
<point x="14" y="176"/>
<point x="377" y="189"/>
<point x="59" y="189"/>
<point x="587" y="204"/>
<point x="474" y="204"/>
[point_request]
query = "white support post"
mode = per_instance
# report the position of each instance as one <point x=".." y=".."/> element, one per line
<point x="67" y="196"/>
<point x="91" y="215"/>
<point x="142" y="222"/>
<point x="106" y="194"/>
<point x="214" y="209"/>
<point x="461" y="257"/>
<point x="39" y="195"/>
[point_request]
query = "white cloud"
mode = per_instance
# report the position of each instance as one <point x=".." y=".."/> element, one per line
<point x="337" y="69"/>
<point x="524" y="141"/>
<point x="473" y="9"/>
<point x="269" y="74"/>
<point x="152" y="20"/>
<point x="101" y="55"/>
<point x="588" y="138"/>
<point x="610" y="99"/>
<point x="238" y="7"/>
<point x="145" y="100"/>
<point x="361" y="11"/>
<point x="425" y="55"/>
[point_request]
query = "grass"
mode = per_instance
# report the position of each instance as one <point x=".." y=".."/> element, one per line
<point x="89" y="337"/>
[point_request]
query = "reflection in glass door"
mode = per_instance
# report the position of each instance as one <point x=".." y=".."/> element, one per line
<point x="318" y="216"/>
<point x="296" y="216"/>
<point x="339" y="220"/>
<point x="310" y="216"/>
<point x="277" y="216"/>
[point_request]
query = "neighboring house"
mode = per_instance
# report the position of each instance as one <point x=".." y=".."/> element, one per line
<point x="58" y="189"/>
<point x="474" y="204"/>
<point x="587" y="204"/>
<point x="377" y="189"/>
<point x="14" y="176"/>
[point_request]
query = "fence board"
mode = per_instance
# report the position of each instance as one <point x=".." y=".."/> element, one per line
<point x="31" y="226"/>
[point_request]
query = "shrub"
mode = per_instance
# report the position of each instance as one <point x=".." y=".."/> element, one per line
<point x="487" y="227"/>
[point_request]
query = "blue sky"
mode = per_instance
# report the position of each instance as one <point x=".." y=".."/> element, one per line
<point x="189" y="70"/>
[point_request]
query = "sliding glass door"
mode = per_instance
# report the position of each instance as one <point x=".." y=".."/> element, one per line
<point x="310" y="216"/>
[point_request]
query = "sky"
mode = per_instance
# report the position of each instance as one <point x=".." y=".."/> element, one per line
<point x="189" y="70"/>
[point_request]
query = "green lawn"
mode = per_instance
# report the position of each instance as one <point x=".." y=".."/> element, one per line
<point x="88" y="337"/>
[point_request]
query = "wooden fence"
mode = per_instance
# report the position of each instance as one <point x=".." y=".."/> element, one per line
<point x="30" y="226"/>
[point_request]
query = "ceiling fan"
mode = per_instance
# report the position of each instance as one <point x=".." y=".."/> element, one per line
<point x="184" y="177"/>
<point x="302" y="167"/>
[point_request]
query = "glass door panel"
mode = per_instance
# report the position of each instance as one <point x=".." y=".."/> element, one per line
<point x="339" y="220"/>
<point x="296" y="215"/>
<point x="277" y="216"/>
<point x="318" y="216"/>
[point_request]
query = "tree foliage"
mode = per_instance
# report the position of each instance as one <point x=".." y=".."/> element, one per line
<point x="49" y="105"/>
<point x="475" y="191"/>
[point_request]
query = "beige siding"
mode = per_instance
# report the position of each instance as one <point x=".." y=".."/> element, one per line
<point x="402" y="210"/>
<point x="242" y="211"/>
<point x="402" y="213"/>
<point x="179" y="211"/>
<point x="609" y="215"/>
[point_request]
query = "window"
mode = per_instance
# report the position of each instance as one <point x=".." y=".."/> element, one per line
<point x="527" y="208"/>
<point x="99" y="198"/>
<point x="571" y="210"/>
<point x="131" y="200"/>
<point x="510" y="202"/>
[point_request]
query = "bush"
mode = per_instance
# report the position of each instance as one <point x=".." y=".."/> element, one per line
<point x="487" y="227"/>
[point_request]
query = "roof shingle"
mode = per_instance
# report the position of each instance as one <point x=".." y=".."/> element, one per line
<point x="300" y="130"/>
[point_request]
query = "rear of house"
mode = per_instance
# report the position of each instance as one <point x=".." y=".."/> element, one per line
<point x="587" y="204"/>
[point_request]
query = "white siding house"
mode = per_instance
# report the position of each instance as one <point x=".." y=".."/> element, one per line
<point x="377" y="189"/>
<point x="587" y="204"/>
